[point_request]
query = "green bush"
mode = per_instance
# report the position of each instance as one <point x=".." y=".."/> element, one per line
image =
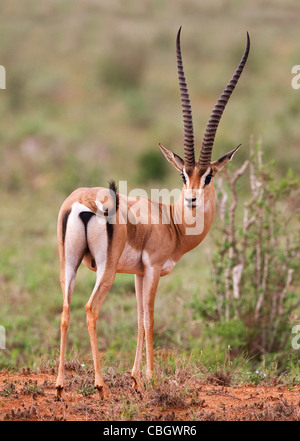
<point x="152" y="166"/>
<point x="256" y="281"/>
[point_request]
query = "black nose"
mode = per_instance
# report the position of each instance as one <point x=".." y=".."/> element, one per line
<point x="191" y="200"/>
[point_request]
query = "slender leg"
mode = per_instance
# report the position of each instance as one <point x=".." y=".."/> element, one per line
<point x="135" y="373"/>
<point x="71" y="254"/>
<point x="101" y="288"/>
<point x="150" y="283"/>
<point x="67" y="284"/>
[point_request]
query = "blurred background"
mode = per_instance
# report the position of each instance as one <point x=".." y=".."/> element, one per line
<point x="91" y="88"/>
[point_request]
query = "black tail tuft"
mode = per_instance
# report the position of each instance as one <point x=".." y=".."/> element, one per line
<point x="113" y="187"/>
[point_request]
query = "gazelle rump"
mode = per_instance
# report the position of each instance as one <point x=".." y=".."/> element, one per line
<point x="113" y="233"/>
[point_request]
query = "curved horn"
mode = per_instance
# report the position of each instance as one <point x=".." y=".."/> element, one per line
<point x="214" y="119"/>
<point x="189" y="152"/>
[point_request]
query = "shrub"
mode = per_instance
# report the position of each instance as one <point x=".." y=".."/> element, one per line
<point x="152" y="167"/>
<point x="255" y="266"/>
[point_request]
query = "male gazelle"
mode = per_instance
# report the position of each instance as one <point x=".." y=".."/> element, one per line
<point x="99" y="227"/>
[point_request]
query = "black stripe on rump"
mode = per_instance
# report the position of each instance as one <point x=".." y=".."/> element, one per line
<point x="109" y="225"/>
<point x="110" y="231"/>
<point x="85" y="216"/>
<point x="64" y="224"/>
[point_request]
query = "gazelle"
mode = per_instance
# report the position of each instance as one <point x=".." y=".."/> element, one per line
<point x="99" y="227"/>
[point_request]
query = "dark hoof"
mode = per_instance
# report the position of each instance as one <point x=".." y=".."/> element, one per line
<point x="102" y="392"/>
<point x="59" y="392"/>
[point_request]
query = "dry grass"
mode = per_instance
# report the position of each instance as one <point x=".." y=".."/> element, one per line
<point x="189" y="393"/>
<point x="27" y="398"/>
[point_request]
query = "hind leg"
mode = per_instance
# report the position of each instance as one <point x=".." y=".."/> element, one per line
<point x="71" y="252"/>
<point x="67" y="284"/>
<point x="92" y="308"/>
<point x="106" y="257"/>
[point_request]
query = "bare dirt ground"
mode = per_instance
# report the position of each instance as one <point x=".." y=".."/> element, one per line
<point x="31" y="396"/>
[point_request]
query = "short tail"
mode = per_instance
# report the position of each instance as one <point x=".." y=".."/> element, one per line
<point x="107" y="200"/>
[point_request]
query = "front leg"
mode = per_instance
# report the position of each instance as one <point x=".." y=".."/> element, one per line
<point x="150" y="283"/>
<point x="135" y="373"/>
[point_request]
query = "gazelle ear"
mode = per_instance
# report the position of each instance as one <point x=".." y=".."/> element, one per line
<point x="173" y="158"/>
<point x="220" y="163"/>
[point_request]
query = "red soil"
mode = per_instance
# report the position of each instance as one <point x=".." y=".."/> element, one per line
<point x="31" y="396"/>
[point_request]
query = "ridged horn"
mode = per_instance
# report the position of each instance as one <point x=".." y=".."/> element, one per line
<point x="189" y="151"/>
<point x="214" y="119"/>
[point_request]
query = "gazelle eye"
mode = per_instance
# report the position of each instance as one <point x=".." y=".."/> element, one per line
<point x="208" y="179"/>
<point x="183" y="178"/>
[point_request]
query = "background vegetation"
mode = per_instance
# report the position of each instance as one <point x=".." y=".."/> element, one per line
<point x="91" y="90"/>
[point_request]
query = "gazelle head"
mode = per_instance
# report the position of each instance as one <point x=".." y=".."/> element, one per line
<point x="197" y="175"/>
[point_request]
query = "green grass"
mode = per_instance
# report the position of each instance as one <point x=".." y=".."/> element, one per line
<point x="91" y="90"/>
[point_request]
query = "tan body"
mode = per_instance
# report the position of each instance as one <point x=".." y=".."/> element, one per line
<point x="147" y="250"/>
<point x="147" y="242"/>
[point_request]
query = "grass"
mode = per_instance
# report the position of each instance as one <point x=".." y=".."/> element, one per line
<point x="91" y="90"/>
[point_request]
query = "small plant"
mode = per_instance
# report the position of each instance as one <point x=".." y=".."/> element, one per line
<point x="32" y="388"/>
<point x="129" y="410"/>
<point x="8" y="390"/>
<point x="256" y="377"/>
<point x="86" y="390"/>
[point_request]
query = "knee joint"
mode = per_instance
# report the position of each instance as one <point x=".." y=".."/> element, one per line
<point x="65" y="317"/>
<point x="91" y="316"/>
